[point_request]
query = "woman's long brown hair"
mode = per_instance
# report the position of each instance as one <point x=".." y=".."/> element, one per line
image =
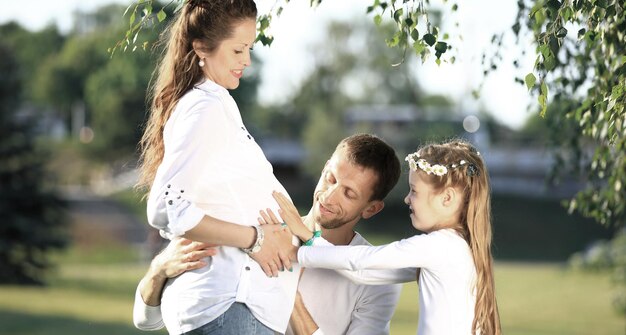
<point x="207" y="21"/>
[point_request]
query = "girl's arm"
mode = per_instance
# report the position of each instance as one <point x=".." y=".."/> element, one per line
<point x="373" y="276"/>
<point x="415" y="252"/>
<point x="289" y="214"/>
<point x="381" y="277"/>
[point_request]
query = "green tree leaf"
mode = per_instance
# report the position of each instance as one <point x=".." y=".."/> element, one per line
<point x="429" y="39"/>
<point x="161" y="15"/>
<point x="549" y="62"/>
<point x="415" y="35"/>
<point x="378" y="19"/>
<point x="562" y="32"/>
<point x="530" y="80"/>
<point x="397" y="15"/>
<point x="441" y="47"/>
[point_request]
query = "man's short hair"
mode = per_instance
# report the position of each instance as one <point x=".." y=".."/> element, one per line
<point x="371" y="152"/>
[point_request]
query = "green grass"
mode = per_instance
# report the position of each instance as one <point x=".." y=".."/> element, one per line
<point x="81" y="299"/>
<point x="97" y="299"/>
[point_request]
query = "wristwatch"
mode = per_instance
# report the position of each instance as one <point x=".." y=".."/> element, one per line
<point x="256" y="247"/>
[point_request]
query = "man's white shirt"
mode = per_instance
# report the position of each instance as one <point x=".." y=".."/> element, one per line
<point x="339" y="306"/>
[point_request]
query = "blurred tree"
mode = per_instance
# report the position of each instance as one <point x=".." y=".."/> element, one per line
<point x="10" y="84"/>
<point x="115" y="96"/>
<point x="31" y="50"/>
<point x="32" y="216"/>
<point x="61" y="80"/>
<point x="246" y="94"/>
<point x="324" y="130"/>
<point x="579" y="78"/>
<point x="343" y="76"/>
<point x="318" y="112"/>
<point x="581" y="65"/>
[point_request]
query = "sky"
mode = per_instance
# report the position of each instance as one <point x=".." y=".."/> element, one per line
<point x="287" y="61"/>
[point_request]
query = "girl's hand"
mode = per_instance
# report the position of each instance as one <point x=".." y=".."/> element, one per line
<point x="289" y="213"/>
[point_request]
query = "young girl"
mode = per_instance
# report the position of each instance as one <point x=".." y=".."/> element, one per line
<point x="449" y="201"/>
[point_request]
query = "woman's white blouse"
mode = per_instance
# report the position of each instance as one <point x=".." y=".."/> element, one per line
<point x="212" y="166"/>
<point x="446" y="281"/>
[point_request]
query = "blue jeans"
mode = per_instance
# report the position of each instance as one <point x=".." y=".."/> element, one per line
<point x="237" y="320"/>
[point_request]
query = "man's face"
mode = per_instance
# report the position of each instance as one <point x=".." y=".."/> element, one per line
<point x="342" y="194"/>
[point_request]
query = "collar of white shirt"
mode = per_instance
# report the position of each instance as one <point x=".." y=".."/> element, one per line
<point x="210" y="86"/>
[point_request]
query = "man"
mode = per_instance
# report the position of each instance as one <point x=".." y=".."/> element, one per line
<point x="352" y="186"/>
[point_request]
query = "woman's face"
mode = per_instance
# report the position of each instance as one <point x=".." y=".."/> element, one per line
<point x="225" y="65"/>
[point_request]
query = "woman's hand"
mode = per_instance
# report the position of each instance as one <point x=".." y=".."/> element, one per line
<point x="275" y="252"/>
<point x="289" y="213"/>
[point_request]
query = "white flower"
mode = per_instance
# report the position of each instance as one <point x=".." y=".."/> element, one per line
<point x="423" y="164"/>
<point x="439" y="170"/>
<point x="416" y="162"/>
<point x="462" y="162"/>
<point x="414" y="156"/>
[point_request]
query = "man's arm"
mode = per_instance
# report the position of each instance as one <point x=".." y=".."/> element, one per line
<point x="374" y="310"/>
<point x="301" y="322"/>
<point x="371" y="315"/>
<point x="180" y="255"/>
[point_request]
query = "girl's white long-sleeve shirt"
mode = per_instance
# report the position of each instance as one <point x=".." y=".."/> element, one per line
<point x="446" y="281"/>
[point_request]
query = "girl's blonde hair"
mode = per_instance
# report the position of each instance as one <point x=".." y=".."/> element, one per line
<point x="467" y="171"/>
<point x="207" y="21"/>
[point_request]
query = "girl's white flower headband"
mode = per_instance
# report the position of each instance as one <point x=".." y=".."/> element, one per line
<point x="416" y="162"/>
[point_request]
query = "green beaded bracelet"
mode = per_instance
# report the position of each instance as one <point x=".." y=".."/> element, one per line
<point x="316" y="233"/>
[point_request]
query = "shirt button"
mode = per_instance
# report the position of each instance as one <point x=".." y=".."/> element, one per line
<point x="247" y="268"/>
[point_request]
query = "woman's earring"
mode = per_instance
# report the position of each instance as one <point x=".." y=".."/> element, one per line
<point x="201" y="62"/>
